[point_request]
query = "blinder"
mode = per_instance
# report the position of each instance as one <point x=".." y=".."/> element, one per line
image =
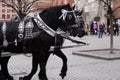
<point x="67" y="15"/>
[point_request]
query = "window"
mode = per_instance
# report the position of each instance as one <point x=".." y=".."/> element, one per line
<point x="3" y="5"/>
<point x="8" y="16"/>
<point x="3" y="16"/>
<point x="7" y="0"/>
<point x="3" y="10"/>
<point x="8" y="10"/>
<point x="43" y="0"/>
<point x="8" y="6"/>
<point x="13" y="11"/>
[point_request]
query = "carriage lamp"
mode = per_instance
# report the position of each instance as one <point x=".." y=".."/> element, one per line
<point x="4" y="27"/>
<point x="21" y="29"/>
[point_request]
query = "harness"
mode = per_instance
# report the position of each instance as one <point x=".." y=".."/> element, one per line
<point x="25" y="31"/>
<point x="52" y="32"/>
<point x="43" y="26"/>
<point x="47" y="29"/>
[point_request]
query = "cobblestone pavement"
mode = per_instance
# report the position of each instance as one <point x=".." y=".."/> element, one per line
<point x="79" y="68"/>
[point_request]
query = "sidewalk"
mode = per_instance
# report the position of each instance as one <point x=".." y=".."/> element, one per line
<point x="100" y="48"/>
<point x="79" y="67"/>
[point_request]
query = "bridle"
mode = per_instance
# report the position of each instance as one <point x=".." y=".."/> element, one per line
<point x="66" y="12"/>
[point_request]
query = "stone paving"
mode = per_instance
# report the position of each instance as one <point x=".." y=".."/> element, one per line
<point x="79" y="67"/>
<point x="100" y="48"/>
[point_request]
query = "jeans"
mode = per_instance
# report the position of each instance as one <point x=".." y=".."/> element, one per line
<point x="100" y="34"/>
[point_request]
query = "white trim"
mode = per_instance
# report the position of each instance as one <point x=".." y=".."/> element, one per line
<point x="43" y="26"/>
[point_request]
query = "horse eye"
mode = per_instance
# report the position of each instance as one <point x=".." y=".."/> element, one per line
<point x="69" y="17"/>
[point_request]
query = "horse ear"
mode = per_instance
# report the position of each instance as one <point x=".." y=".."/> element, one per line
<point x="68" y="5"/>
<point x="73" y="7"/>
<point x="81" y="12"/>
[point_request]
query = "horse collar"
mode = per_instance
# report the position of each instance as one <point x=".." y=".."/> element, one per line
<point x="41" y="24"/>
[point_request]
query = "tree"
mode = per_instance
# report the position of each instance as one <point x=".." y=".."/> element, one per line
<point x="21" y="7"/>
<point x="108" y="4"/>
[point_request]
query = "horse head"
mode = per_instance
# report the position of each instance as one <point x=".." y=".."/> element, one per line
<point x="63" y="16"/>
<point x="77" y="29"/>
<point x="74" y="22"/>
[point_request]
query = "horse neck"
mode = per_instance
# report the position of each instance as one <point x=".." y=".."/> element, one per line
<point x="51" y="20"/>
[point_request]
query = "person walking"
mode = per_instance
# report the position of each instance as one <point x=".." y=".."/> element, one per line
<point x="95" y="26"/>
<point x="86" y="28"/>
<point x="101" y="30"/>
<point x="104" y="28"/>
<point x="116" y="29"/>
<point x="91" y="28"/>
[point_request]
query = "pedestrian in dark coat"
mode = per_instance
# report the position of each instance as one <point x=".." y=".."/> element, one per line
<point x="91" y="28"/>
<point x="101" y="30"/>
<point x="116" y="29"/>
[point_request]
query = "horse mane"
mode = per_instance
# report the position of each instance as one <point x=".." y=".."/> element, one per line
<point x="51" y="15"/>
<point x="57" y="7"/>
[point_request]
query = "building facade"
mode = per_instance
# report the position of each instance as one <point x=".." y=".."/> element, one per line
<point x="80" y="4"/>
<point x="94" y="11"/>
<point x="116" y="3"/>
<point x="41" y="4"/>
<point x="6" y="12"/>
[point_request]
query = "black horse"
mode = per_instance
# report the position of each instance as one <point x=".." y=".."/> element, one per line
<point x="62" y="17"/>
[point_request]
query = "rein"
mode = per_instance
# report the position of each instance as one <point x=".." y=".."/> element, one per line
<point x="19" y="40"/>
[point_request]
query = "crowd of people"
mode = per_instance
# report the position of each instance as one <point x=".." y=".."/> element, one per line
<point x="93" y="28"/>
